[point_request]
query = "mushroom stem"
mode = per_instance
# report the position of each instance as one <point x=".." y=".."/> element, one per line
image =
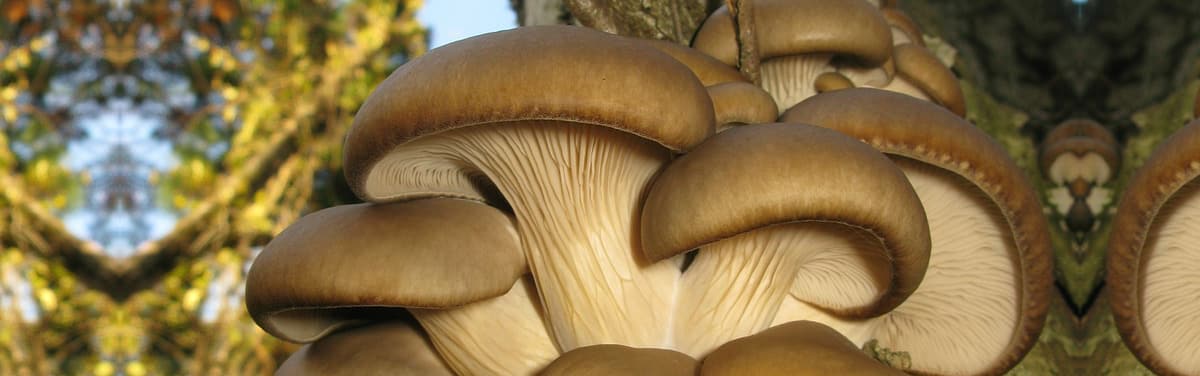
<point x="575" y="190"/>
<point x="505" y="335"/>
<point x="735" y="286"/>
<point x="791" y="79"/>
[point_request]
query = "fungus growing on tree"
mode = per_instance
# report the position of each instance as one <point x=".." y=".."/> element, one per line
<point x="984" y="297"/>
<point x="777" y="208"/>
<point x="736" y="101"/>
<point x="453" y="262"/>
<point x="566" y="126"/>
<point x="800" y="40"/>
<point x="1079" y="156"/>
<point x="1153" y="257"/>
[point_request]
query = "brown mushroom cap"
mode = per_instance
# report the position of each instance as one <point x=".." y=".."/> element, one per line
<point x="709" y="70"/>
<point x="566" y="126"/>
<point x="1079" y="127"/>
<point x="799" y="40"/>
<point x="900" y="20"/>
<point x="1079" y="137"/>
<point x="830" y="81"/>
<point x="1153" y="258"/>
<point x="920" y="68"/>
<point x="615" y="360"/>
<point x="798" y="348"/>
<point x="529" y="73"/>
<point x="386" y="348"/>
<point x="792" y="27"/>
<point x="737" y="103"/>
<point x="943" y="154"/>
<point x="830" y="219"/>
<point x="332" y="266"/>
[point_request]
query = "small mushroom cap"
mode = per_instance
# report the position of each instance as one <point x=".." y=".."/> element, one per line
<point x="709" y="70"/>
<point x="916" y="130"/>
<point x="830" y="81"/>
<point x="1080" y="128"/>
<point x="563" y="73"/>
<point x="610" y="359"/>
<point x="1079" y="137"/>
<point x="386" y="348"/>
<point x="797" y="348"/>
<point x="926" y="72"/>
<point x="1152" y="257"/>
<point x="793" y="27"/>
<point x="797" y="173"/>
<point x="900" y="20"/>
<point x="741" y="103"/>
<point x="341" y="265"/>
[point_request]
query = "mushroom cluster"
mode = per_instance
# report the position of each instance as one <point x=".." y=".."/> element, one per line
<point x="558" y="200"/>
<point x="812" y="46"/>
<point x="1153" y="258"/>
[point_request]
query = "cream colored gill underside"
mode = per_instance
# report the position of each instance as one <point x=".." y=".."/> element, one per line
<point x="791" y="79"/>
<point x="1091" y="167"/>
<point x="734" y="287"/>
<point x="505" y="335"/>
<point x="575" y="191"/>
<point x="963" y="315"/>
<point x="1170" y="281"/>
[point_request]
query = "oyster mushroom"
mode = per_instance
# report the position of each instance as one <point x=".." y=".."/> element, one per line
<point x="385" y="348"/>
<point x="1153" y="257"/>
<point x="736" y="101"/>
<point x="921" y="75"/>
<point x="800" y="40"/>
<point x="453" y="262"/>
<point x="615" y="360"/>
<point x="777" y="208"/>
<point x="904" y="29"/>
<point x="799" y="348"/>
<point x="566" y="126"/>
<point x="1079" y="156"/>
<point x="984" y="297"/>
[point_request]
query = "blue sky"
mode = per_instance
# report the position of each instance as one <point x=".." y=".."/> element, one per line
<point x="450" y="20"/>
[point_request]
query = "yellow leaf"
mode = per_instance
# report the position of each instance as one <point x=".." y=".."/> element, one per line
<point x="191" y="299"/>
<point x="47" y="299"/>
<point x="104" y="368"/>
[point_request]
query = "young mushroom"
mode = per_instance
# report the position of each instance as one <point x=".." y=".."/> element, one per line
<point x="453" y="262"/>
<point x="736" y="101"/>
<point x="385" y="348"/>
<point x="566" y="126"/>
<point x="984" y="297"/>
<point x="1153" y="257"/>
<point x="798" y="40"/>
<point x="1079" y="156"/>
<point x="904" y="29"/>
<point x="799" y="348"/>
<point x="921" y="75"/>
<point x="777" y="208"/>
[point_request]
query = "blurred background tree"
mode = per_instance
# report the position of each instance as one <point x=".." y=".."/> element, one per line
<point x="149" y="149"/>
